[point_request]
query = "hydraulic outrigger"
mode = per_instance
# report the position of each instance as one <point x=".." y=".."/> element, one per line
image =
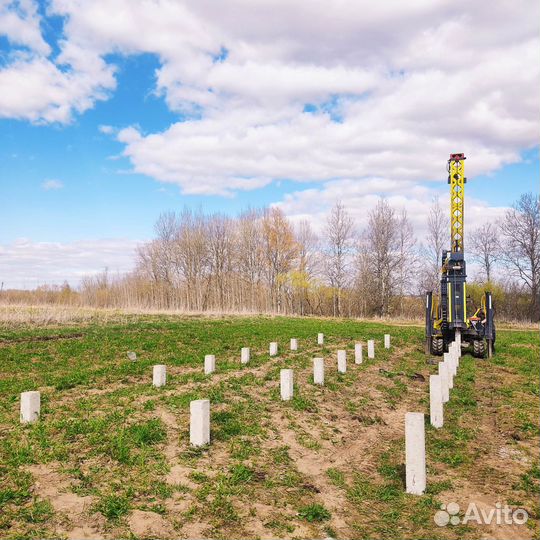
<point x="446" y="315"/>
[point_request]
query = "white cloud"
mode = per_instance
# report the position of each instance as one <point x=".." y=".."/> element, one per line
<point x="359" y="198"/>
<point x="52" y="184"/>
<point x="26" y="264"/>
<point x="19" y="22"/>
<point x="107" y="130"/>
<point x="39" y="87"/>
<point x="36" y="89"/>
<point x="393" y="93"/>
<point x="393" y="87"/>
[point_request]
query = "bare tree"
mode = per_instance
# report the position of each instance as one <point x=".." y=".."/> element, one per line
<point x="338" y="236"/>
<point x="157" y="262"/>
<point x="307" y="248"/>
<point x="280" y="250"/>
<point x="306" y="241"/>
<point x="167" y="229"/>
<point x="382" y="239"/>
<point x="250" y="255"/>
<point x="437" y="238"/>
<point x="484" y="248"/>
<point x="520" y="230"/>
<point x="220" y="253"/>
<point x="407" y="256"/>
<point x="192" y="256"/>
<point x="365" y="286"/>
<point x="151" y="262"/>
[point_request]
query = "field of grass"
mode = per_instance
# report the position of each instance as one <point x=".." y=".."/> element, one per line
<point x="110" y="456"/>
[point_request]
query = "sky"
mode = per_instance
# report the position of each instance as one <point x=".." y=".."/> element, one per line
<point x="113" y="111"/>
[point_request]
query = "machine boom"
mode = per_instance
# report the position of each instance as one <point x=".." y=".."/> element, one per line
<point x="456" y="179"/>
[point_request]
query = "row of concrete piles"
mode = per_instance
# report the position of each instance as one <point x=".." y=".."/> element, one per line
<point x="200" y="409"/>
<point x="287" y="375"/>
<point x="440" y="387"/>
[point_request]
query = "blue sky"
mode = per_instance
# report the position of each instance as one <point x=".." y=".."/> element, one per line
<point x="202" y="113"/>
<point x="100" y="196"/>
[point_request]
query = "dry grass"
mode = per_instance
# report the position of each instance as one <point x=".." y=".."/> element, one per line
<point x="13" y="315"/>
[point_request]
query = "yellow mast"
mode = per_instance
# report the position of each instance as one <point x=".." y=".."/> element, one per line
<point x="456" y="179"/>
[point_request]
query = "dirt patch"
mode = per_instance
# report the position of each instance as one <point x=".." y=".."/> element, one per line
<point x="195" y="529"/>
<point x="487" y="505"/>
<point x="53" y="486"/>
<point x="149" y="524"/>
<point x="179" y="475"/>
<point x="502" y="531"/>
<point x="313" y="465"/>
<point x="261" y="514"/>
<point x="171" y="448"/>
<point x="72" y="512"/>
<point x="84" y="532"/>
<point x="349" y="448"/>
<point x="178" y="504"/>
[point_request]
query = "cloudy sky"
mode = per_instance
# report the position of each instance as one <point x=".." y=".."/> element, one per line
<point x="112" y="111"/>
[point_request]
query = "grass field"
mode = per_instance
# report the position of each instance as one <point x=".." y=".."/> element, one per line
<point x="110" y="455"/>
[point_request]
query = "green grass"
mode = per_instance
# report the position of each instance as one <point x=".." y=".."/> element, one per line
<point x="114" y="438"/>
<point x="314" y="512"/>
<point x="113" y="506"/>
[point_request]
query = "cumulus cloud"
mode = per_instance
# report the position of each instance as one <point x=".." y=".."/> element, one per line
<point x="359" y="198"/>
<point x="19" y="22"/>
<point x="37" y="89"/>
<point x="26" y="264"/>
<point x="362" y="92"/>
<point x="272" y="90"/>
<point x="52" y="184"/>
<point x="38" y="86"/>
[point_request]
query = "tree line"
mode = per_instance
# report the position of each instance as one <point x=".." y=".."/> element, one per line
<point x="261" y="262"/>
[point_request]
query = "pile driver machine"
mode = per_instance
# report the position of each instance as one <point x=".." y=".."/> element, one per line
<point x="446" y="314"/>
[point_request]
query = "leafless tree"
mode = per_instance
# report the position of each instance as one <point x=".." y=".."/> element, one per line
<point x="306" y="264"/>
<point x="156" y="260"/>
<point x="382" y="240"/>
<point x="192" y="255"/>
<point x="220" y="249"/>
<point x="365" y="287"/>
<point x="249" y="252"/>
<point x="484" y="248"/>
<point x="150" y="261"/>
<point x="437" y="238"/>
<point x="520" y="231"/>
<point x="259" y="261"/>
<point x="307" y="248"/>
<point x="164" y="251"/>
<point x="407" y="264"/>
<point x="338" y="239"/>
<point x="166" y="227"/>
<point x="280" y="250"/>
